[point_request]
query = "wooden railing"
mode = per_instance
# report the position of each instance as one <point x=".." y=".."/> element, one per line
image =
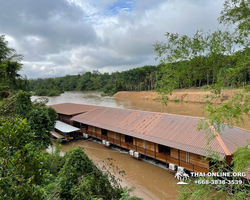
<point x="158" y="156"/>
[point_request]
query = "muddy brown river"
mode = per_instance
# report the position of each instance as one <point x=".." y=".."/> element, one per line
<point x="151" y="182"/>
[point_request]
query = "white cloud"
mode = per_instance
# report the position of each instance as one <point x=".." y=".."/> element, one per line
<point x="72" y="36"/>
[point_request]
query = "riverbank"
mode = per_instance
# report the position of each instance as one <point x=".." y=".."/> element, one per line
<point x="188" y="96"/>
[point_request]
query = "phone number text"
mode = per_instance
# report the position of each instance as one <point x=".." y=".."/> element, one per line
<point x="218" y="182"/>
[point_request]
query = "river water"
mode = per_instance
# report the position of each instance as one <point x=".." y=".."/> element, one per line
<point x="95" y="98"/>
<point x="151" y="182"/>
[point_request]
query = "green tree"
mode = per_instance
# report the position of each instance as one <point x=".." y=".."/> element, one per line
<point x="236" y="12"/>
<point x="20" y="163"/>
<point x="42" y="121"/>
<point x="10" y="79"/>
<point x="227" y="68"/>
<point x="19" y="105"/>
<point x="81" y="179"/>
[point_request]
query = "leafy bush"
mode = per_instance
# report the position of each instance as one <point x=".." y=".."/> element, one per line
<point x="53" y="93"/>
<point x="42" y="120"/>
<point x="21" y="164"/>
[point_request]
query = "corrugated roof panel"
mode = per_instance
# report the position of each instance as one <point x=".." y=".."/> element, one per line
<point x="113" y="116"/>
<point x="65" y="128"/>
<point x="234" y="136"/>
<point x="95" y="113"/>
<point x="127" y="121"/>
<point x="145" y="123"/>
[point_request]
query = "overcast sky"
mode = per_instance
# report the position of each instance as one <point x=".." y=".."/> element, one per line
<point x="60" y="37"/>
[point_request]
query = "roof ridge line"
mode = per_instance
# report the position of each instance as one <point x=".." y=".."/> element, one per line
<point x="218" y="137"/>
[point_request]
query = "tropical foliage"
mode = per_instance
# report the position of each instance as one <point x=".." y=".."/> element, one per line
<point x="212" y="55"/>
<point x="10" y="79"/>
<point x="26" y="173"/>
<point x="20" y="163"/>
<point x="138" y="79"/>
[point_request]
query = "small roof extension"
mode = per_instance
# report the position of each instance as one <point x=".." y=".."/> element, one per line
<point x="72" y="108"/>
<point x="65" y="128"/>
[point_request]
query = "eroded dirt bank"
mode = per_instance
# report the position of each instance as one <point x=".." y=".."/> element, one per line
<point x="192" y="96"/>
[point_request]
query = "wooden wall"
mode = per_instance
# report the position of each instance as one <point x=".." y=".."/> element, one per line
<point x="64" y="118"/>
<point x="183" y="155"/>
<point x="118" y="136"/>
<point x="140" y="143"/>
<point x="193" y="158"/>
<point x="98" y="130"/>
<point x="90" y="128"/>
<point x="122" y="137"/>
<point x="111" y="134"/>
<point x="229" y="159"/>
<point x="198" y="160"/>
<point x="134" y="141"/>
<point x="174" y="153"/>
<point x="150" y="146"/>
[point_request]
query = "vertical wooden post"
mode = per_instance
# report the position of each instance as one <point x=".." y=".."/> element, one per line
<point x="120" y="140"/>
<point x="155" y="151"/>
<point x="166" y="161"/>
<point x="135" y="144"/>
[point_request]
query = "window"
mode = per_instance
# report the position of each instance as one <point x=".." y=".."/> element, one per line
<point x="84" y="126"/>
<point x="163" y="149"/>
<point x="128" y="139"/>
<point x="104" y="132"/>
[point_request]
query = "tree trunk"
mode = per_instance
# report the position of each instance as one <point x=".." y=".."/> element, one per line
<point x="207" y="78"/>
<point x="245" y="77"/>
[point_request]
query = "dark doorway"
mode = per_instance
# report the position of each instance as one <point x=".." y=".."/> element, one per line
<point x="84" y="126"/>
<point x="104" y="132"/>
<point x="128" y="139"/>
<point x="163" y="149"/>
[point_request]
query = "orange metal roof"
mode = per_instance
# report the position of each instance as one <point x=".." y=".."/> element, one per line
<point x="234" y="136"/>
<point x="72" y="108"/>
<point x="167" y="129"/>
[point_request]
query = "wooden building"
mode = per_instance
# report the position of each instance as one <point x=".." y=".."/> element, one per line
<point x="167" y="138"/>
<point x="66" y="111"/>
